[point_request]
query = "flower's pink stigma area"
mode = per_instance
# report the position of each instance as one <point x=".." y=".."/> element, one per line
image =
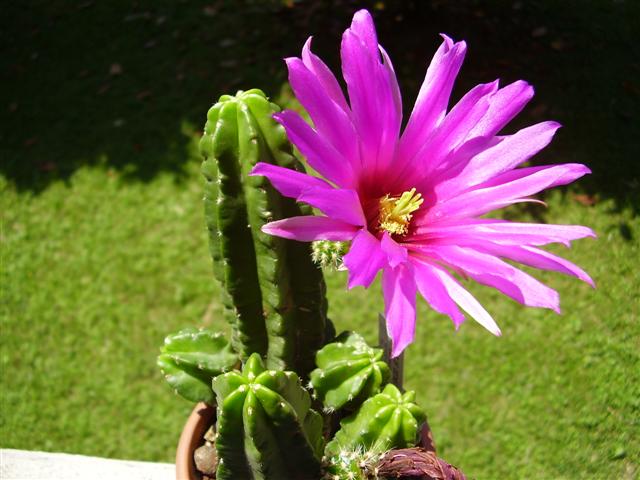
<point x="412" y="203"/>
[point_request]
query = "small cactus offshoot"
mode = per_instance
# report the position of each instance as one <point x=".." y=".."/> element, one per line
<point x="191" y="358"/>
<point x="349" y="371"/>
<point x="266" y="428"/>
<point x="388" y="420"/>
<point x="357" y="464"/>
<point x="329" y="254"/>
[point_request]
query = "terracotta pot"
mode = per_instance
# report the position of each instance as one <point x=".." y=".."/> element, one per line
<point x="197" y="425"/>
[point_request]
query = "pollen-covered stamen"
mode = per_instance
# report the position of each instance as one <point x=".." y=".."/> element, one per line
<point x="396" y="212"/>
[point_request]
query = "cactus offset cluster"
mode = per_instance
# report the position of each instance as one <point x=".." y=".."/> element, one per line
<point x="273" y="293"/>
<point x="266" y="428"/>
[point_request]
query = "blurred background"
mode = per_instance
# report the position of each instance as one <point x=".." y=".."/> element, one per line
<point x="104" y="249"/>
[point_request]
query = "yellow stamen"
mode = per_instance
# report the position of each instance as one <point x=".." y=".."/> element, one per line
<point x="396" y="212"/>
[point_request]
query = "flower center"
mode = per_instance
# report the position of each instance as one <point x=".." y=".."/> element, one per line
<point x="396" y="212"/>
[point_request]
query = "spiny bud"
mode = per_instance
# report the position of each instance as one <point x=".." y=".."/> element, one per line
<point x="329" y="254"/>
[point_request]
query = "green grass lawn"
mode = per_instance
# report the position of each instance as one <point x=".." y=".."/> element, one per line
<point x="104" y="248"/>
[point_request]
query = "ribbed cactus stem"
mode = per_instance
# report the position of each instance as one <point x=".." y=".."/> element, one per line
<point x="191" y="358"/>
<point x="233" y="248"/>
<point x="274" y="291"/>
<point x="266" y="429"/>
<point x="349" y="371"/>
<point x="387" y="420"/>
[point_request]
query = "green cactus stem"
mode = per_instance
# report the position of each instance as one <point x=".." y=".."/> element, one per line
<point x="274" y="294"/>
<point x="191" y="358"/>
<point x="388" y="420"/>
<point x="266" y="428"/>
<point x="349" y="371"/>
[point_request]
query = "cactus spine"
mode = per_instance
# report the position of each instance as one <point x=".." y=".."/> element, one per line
<point x="266" y="429"/>
<point x="273" y="292"/>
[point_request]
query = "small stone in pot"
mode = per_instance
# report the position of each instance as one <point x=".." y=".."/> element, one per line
<point x="206" y="459"/>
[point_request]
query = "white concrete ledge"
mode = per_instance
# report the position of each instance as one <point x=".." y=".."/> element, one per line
<point x="25" y="465"/>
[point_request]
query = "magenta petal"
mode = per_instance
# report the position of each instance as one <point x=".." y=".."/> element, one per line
<point x="455" y="128"/>
<point x="466" y="301"/>
<point x="434" y="292"/>
<point x="373" y="94"/>
<point x="320" y="154"/>
<point x="288" y="182"/>
<point x="502" y="232"/>
<point x="336" y="203"/>
<point x="310" y="228"/>
<point x="362" y="25"/>
<point x="453" y="164"/>
<point x="393" y="81"/>
<point x="433" y="98"/>
<point x="364" y="260"/>
<point x="505" y="104"/>
<point x="399" y="290"/>
<point x="506" y="155"/>
<point x="330" y="120"/>
<point x="324" y="76"/>
<point x="396" y="254"/>
<point x="537" y="258"/>
<point x="496" y="194"/>
<point x="491" y="271"/>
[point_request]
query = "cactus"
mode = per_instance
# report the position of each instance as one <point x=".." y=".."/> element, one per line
<point x="388" y="420"/>
<point x="273" y="293"/>
<point x="349" y="372"/>
<point x="266" y="429"/>
<point x="191" y="358"/>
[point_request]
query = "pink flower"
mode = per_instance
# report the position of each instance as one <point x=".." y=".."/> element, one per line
<point x="410" y="202"/>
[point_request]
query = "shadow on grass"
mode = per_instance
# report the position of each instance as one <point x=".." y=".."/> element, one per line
<point x="86" y="82"/>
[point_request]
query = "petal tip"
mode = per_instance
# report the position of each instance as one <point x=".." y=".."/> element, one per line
<point x="447" y="40"/>
<point x="362" y="15"/>
<point x="307" y="44"/>
<point x="396" y="352"/>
